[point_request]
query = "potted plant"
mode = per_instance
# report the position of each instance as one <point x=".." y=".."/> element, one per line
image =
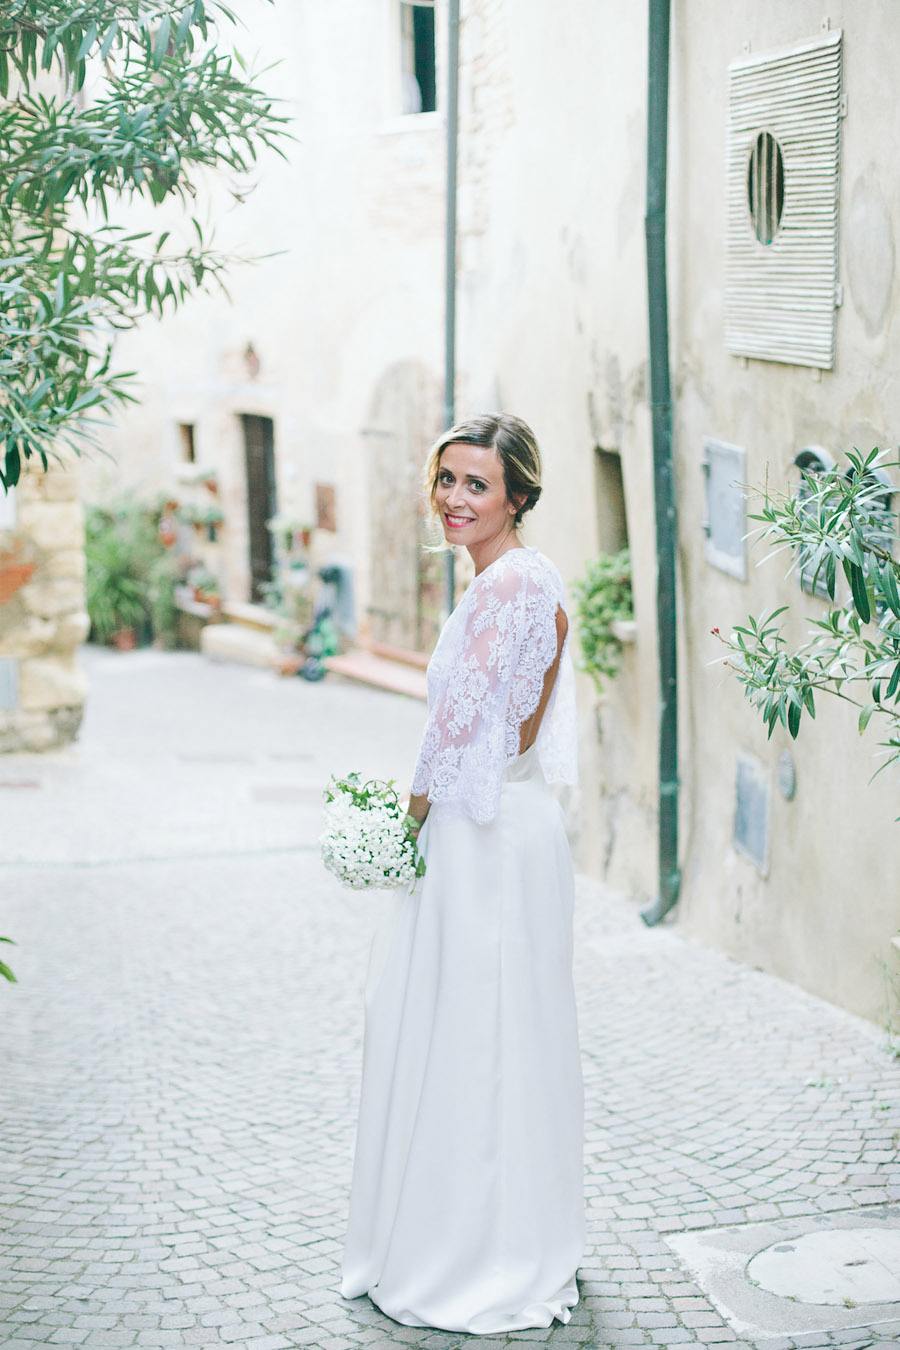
<point x="212" y="517"/>
<point x="291" y="532"/>
<point x="15" y="571"/>
<point x="115" y="598"/>
<point x="205" y="587"/>
<point x="605" y="614"/>
<point x="130" y="575"/>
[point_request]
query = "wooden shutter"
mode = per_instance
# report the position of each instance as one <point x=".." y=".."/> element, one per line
<point x="780" y="297"/>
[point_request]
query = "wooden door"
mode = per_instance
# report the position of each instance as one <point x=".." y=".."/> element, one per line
<point x="259" y="454"/>
<point x="406" y="582"/>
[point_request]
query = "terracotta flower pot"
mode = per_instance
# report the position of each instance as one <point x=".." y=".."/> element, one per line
<point x="125" y="639"/>
<point x="13" y="577"/>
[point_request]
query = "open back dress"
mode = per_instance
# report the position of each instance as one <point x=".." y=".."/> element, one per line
<point x="467" y="1200"/>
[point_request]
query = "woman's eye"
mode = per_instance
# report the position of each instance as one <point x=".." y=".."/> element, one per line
<point x="478" y="485"/>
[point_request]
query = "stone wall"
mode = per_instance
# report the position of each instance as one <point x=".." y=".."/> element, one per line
<point x="42" y="611"/>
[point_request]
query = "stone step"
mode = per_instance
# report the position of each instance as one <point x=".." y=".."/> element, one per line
<point x="250" y="616"/>
<point x="403" y="654"/>
<point x="242" y="645"/>
<point x="369" y="668"/>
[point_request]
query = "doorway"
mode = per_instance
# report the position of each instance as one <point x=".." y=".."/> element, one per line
<point x="259" y="458"/>
<point x="407" y="584"/>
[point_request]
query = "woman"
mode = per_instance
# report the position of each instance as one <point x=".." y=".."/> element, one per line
<point x="467" y="1204"/>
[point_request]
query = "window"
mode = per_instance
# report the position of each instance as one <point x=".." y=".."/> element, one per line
<point x="811" y="460"/>
<point x="609" y="488"/>
<point x="186" y="442"/>
<point x="418" y="74"/>
<point x="784" y="118"/>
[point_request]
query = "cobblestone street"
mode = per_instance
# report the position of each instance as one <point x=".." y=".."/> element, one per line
<point x="181" y="1054"/>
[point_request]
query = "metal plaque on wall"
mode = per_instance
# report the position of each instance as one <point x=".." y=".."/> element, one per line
<point x="751" y="812"/>
<point x="725" y="526"/>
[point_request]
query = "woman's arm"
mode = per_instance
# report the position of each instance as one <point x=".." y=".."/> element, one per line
<point x="418" y="807"/>
<point x="494" y="683"/>
<point x="528" y="730"/>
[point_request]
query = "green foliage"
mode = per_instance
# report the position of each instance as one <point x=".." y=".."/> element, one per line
<point x="602" y="597"/>
<point x="840" y="526"/>
<point x="131" y="577"/>
<point x="4" y="968"/>
<point x="169" y="105"/>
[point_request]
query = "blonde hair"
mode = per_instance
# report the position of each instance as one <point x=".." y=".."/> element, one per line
<point x="516" y="447"/>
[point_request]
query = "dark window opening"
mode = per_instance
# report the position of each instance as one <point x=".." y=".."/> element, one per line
<point x="609" y="489"/>
<point x="419" y="91"/>
<point x="186" y="440"/>
<point x="259" y="458"/>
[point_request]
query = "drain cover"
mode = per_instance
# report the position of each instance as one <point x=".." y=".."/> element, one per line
<point x="803" y="1275"/>
<point x="858" y="1264"/>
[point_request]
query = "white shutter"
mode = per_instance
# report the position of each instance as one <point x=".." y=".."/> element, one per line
<point x="780" y="297"/>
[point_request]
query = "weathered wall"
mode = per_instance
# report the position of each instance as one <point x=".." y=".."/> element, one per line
<point x="554" y="328"/>
<point x="825" y="914"/>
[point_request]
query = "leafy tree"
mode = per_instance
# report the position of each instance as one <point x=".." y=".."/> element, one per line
<point x="838" y="523"/>
<point x="165" y="105"/>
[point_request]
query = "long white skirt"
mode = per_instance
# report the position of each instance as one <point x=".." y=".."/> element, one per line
<point x="467" y="1203"/>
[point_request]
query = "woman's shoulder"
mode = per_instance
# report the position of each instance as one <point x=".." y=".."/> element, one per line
<point x="520" y="575"/>
<point x="518" y="571"/>
<point x="504" y="572"/>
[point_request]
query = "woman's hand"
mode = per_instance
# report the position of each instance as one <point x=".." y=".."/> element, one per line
<point x="417" y="808"/>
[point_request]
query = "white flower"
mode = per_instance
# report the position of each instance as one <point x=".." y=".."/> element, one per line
<point x="367" y="840"/>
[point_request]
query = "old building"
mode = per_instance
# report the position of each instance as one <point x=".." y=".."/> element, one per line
<point x="783" y="208"/>
<point x="312" y="396"/>
<point x="308" y="393"/>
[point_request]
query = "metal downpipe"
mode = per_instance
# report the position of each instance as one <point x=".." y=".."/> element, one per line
<point x="450" y="257"/>
<point x="663" y="487"/>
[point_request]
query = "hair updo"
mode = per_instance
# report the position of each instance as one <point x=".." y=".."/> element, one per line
<point x="516" y="447"/>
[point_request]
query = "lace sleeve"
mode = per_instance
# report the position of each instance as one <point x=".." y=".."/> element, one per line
<point x="490" y="684"/>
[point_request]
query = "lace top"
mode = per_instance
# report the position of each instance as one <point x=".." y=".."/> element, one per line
<point x="485" y="678"/>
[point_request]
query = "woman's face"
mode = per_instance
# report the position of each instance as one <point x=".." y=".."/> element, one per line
<point x="470" y="495"/>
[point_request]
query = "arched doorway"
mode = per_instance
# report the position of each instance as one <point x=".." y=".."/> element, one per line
<point x="406" y="595"/>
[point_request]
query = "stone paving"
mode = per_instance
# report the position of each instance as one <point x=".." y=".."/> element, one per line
<point x="181" y="1054"/>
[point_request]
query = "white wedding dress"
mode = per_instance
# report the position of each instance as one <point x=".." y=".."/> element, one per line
<point x="467" y="1202"/>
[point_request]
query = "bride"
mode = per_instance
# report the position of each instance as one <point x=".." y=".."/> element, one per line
<point x="467" y="1202"/>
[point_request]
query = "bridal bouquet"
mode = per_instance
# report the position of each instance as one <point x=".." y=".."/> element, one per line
<point x="369" y="840"/>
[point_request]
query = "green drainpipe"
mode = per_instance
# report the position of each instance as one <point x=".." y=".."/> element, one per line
<point x="663" y="489"/>
<point x="450" y="257"/>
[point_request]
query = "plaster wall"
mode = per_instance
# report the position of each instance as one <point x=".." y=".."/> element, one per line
<point x="554" y="327"/>
<point x="347" y="235"/>
<point x="826" y="913"/>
